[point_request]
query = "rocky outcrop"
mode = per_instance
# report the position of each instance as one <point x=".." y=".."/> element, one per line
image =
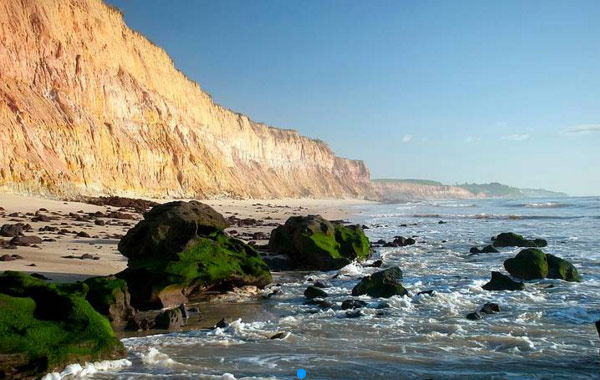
<point x="312" y="242"/>
<point x="532" y="263"/>
<point x="381" y="284"/>
<point x="90" y="107"/>
<point x="180" y="249"/>
<point x="510" y="239"/>
<point x="501" y="281"/>
<point x="44" y="327"/>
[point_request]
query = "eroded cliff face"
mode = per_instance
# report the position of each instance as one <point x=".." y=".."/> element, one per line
<point x="394" y="191"/>
<point x="88" y="107"/>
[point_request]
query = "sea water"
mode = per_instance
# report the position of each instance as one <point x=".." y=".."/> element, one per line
<point x="541" y="332"/>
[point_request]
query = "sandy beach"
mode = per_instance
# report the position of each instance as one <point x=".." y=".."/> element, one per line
<point x="64" y="228"/>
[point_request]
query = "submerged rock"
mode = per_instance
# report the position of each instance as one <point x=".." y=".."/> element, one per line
<point x="501" y="281"/>
<point x="562" y="269"/>
<point x="474" y="316"/>
<point x="529" y="264"/>
<point x="44" y="327"/>
<point x="180" y="249"/>
<point x="314" y="292"/>
<point x="381" y="284"/>
<point x="486" y="249"/>
<point x="170" y="319"/>
<point x="313" y="242"/>
<point x="490" y="308"/>
<point x="509" y="239"/>
<point x="353" y="304"/>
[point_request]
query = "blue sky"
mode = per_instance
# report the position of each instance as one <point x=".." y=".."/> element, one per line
<point x="455" y="91"/>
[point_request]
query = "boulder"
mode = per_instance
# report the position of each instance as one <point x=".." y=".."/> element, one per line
<point x="110" y="297"/>
<point x="562" y="269"/>
<point x="12" y="230"/>
<point x="180" y="249"/>
<point x="314" y="292"/>
<point x="529" y="264"/>
<point x="509" y="239"/>
<point x="474" y="316"/>
<point x="312" y="242"/>
<point x="500" y="281"/>
<point x="44" y="327"/>
<point x="381" y="284"/>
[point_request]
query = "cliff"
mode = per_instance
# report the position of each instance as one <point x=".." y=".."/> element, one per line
<point x="389" y="190"/>
<point x="90" y="107"/>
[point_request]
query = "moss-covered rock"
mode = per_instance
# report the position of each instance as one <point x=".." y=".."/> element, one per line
<point x="529" y="264"/>
<point x="501" y="281"/>
<point x="313" y="242"/>
<point x="44" y="327"/>
<point x="381" y="284"/>
<point x="562" y="269"/>
<point x="110" y="297"/>
<point x="180" y="249"/>
<point x="509" y="239"/>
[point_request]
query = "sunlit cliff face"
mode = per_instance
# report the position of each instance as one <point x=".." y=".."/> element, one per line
<point x="88" y="106"/>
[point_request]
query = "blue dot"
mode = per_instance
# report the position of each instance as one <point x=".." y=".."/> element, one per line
<point x="301" y="373"/>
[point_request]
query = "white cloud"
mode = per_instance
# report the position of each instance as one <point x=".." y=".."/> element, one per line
<point x="516" y="137"/>
<point x="406" y="138"/>
<point x="582" y="129"/>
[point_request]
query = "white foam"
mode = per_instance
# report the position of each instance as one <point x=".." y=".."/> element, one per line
<point x="76" y="371"/>
<point x="154" y="357"/>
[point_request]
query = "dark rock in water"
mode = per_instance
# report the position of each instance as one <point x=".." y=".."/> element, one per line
<point x="376" y="264"/>
<point x="314" y="292"/>
<point x="598" y="327"/>
<point x="353" y="314"/>
<point x="509" y="239"/>
<point x="280" y="335"/>
<point x="442" y="222"/>
<point x="562" y="269"/>
<point x="12" y="230"/>
<point x="381" y="284"/>
<point x="400" y="241"/>
<point x="321" y="284"/>
<point x="223" y="323"/>
<point x="430" y="293"/>
<point x="486" y="249"/>
<point x="490" y="308"/>
<point x="549" y="286"/>
<point x="500" y="281"/>
<point x="170" y="319"/>
<point x="48" y="326"/>
<point x="322" y="303"/>
<point x="474" y="316"/>
<point x="529" y="264"/>
<point x="353" y="304"/>
<point x="25" y="240"/>
<point x="180" y="249"/>
<point x="110" y="297"/>
<point x="315" y="243"/>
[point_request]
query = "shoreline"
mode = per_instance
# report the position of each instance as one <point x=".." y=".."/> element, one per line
<point x="51" y="256"/>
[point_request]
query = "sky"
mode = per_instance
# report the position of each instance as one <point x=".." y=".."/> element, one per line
<point x="454" y="91"/>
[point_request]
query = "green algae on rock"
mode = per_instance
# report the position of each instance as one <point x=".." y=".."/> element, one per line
<point x="313" y="242"/>
<point x="562" y="269"/>
<point x="381" y="284"/>
<point x="529" y="264"/>
<point x="501" y="281"/>
<point x="110" y="297"/>
<point x="180" y="249"/>
<point x="510" y="239"/>
<point x="44" y="327"/>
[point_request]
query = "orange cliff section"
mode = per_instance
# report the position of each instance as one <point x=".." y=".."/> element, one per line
<point x="90" y="107"/>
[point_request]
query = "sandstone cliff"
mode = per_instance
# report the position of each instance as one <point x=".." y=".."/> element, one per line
<point x="398" y="190"/>
<point x="88" y="107"/>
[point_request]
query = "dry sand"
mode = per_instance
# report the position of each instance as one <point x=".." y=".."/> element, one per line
<point x="49" y="258"/>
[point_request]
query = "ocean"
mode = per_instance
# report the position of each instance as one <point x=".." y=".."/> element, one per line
<point x="540" y="333"/>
